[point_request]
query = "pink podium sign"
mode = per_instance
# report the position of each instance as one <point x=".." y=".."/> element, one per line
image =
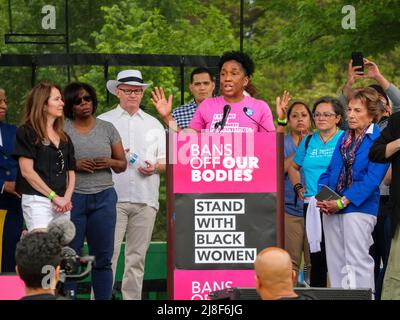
<point x="224" y="162"/>
<point x="197" y="284"/>
<point x="11" y="288"/>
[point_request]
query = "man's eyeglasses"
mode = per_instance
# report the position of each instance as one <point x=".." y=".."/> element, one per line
<point x="60" y="162"/>
<point x="327" y="115"/>
<point x="128" y="92"/>
<point x="78" y="101"/>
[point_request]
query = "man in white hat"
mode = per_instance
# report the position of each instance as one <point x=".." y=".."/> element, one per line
<point x="143" y="138"/>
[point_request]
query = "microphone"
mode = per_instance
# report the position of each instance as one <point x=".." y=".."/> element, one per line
<point x="247" y="112"/>
<point x="221" y="124"/>
<point x="227" y="109"/>
<point x="63" y="230"/>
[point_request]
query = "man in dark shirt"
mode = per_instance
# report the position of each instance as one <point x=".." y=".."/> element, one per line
<point x="38" y="258"/>
<point x="201" y="86"/>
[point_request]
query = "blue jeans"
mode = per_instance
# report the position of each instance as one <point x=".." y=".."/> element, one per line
<point x="94" y="216"/>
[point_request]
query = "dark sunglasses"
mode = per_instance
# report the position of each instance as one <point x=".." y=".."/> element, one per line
<point x="78" y="101"/>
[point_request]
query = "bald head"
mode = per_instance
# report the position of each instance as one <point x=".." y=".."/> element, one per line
<point x="274" y="270"/>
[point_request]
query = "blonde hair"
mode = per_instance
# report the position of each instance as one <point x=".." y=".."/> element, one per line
<point x="35" y="114"/>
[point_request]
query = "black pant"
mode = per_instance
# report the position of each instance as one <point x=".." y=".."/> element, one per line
<point x="319" y="269"/>
<point x="382" y="240"/>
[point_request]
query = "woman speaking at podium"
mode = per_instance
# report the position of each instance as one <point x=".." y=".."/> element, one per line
<point x="234" y="111"/>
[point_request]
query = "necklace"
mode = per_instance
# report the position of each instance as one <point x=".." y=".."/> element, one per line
<point x="329" y="138"/>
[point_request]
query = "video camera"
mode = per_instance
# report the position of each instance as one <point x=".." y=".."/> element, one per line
<point x="73" y="266"/>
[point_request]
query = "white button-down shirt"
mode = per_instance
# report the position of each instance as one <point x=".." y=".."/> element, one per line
<point x="143" y="135"/>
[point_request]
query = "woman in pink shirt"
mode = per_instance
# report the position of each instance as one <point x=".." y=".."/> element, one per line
<point x="234" y="110"/>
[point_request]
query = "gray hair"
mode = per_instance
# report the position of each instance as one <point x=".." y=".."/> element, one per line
<point x="2" y="90"/>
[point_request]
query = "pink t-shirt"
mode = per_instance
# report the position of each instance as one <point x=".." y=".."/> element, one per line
<point x="211" y="110"/>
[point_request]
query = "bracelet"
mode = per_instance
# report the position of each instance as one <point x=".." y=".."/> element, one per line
<point x="297" y="187"/>
<point x="339" y="204"/>
<point x="343" y="203"/>
<point x="51" y="195"/>
<point x="155" y="170"/>
<point x="282" y="122"/>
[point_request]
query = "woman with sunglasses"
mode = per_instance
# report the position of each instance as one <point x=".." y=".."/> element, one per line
<point x="98" y="150"/>
<point x="313" y="156"/>
<point x="46" y="176"/>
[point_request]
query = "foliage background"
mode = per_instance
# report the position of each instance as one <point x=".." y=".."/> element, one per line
<point x="296" y="45"/>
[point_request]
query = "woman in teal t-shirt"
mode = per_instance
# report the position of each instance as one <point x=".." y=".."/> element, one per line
<point x="313" y="156"/>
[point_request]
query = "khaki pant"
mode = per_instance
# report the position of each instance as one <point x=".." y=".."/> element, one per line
<point x="391" y="283"/>
<point x="296" y="241"/>
<point x="136" y="222"/>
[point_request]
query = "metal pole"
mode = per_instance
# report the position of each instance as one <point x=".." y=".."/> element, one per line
<point x="33" y="75"/>
<point x="280" y="192"/>
<point x="67" y="37"/>
<point x="106" y="78"/>
<point x="241" y="24"/>
<point x="182" y="69"/>
<point x="10" y="16"/>
<point x="170" y="220"/>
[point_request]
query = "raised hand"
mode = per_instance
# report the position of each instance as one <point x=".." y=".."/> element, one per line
<point x="373" y="70"/>
<point x="353" y="73"/>
<point x="163" y="106"/>
<point x="282" y="105"/>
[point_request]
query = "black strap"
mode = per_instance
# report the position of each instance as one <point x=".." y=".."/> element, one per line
<point x="128" y="79"/>
<point x="307" y="141"/>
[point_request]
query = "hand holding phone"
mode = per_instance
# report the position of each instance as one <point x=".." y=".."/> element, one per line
<point x="358" y="61"/>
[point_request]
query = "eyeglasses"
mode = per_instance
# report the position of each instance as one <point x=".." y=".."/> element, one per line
<point x="60" y="162"/>
<point x="78" y="101"/>
<point x="324" y="114"/>
<point x="128" y="92"/>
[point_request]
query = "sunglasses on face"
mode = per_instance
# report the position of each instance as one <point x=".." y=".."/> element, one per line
<point x="79" y="100"/>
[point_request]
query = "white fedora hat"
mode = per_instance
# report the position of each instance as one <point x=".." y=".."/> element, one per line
<point x="130" y="77"/>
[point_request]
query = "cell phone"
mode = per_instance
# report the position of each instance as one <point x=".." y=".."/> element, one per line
<point x="358" y="60"/>
<point x="327" y="193"/>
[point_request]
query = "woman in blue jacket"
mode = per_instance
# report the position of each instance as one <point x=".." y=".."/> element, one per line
<point x="348" y="222"/>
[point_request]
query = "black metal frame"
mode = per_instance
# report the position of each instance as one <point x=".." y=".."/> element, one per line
<point x="106" y="60"/>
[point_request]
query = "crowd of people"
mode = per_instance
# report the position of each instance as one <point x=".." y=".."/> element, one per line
<point x="103" y="173"/>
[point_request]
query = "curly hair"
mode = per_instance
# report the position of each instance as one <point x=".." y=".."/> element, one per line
<point x="245" y="61"/>
<point x="33" y="252"/>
